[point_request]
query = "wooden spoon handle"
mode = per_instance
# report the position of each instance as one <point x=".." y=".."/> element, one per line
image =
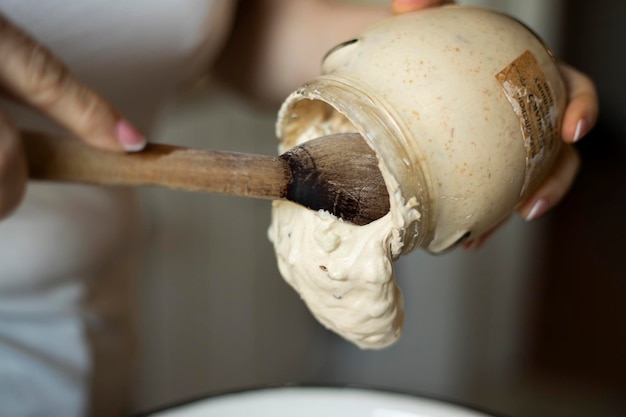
<point x="68" y="160"/>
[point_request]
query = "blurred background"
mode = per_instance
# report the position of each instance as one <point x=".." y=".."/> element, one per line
<point x="530" y="325"/>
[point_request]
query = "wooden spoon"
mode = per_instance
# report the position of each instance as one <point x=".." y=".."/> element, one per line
<point x="337" y="173"/>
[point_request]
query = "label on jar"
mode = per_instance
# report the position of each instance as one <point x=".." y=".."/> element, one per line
<point x="528" y="90"/>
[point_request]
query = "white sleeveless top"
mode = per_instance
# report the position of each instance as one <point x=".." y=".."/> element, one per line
<point x="134" y="53"/>
<point x="64" y="253"/>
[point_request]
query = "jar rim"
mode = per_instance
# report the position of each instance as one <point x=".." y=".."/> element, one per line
<point x="370" y="116"/>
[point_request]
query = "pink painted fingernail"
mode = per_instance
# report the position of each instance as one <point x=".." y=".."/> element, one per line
<point x="538" y="210"/>
<point x="581" y="128"/>
<point x="129" y="137"/>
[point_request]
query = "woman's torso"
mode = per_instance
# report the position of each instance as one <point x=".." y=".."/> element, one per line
<point x="133" y="53"/>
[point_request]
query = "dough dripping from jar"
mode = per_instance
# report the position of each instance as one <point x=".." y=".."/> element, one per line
<point x="343" y="272"/>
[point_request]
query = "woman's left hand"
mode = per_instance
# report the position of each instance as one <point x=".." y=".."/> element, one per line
<point x="580" y="116"/>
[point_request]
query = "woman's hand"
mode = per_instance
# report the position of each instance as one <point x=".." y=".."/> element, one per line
<point x="580" y="116"/>
<point x="30" y="74"/>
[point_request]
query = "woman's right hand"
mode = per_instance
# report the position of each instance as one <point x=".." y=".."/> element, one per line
<point x="33" y="76"/>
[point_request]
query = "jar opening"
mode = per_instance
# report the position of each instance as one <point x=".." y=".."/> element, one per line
<point x="328" y="106"/>
<point x="309" y="119"/>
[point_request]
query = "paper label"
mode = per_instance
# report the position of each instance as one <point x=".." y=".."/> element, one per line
<point x="528" y="90"/>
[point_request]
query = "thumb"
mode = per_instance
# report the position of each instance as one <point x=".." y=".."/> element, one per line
<point x="30" y="73"/>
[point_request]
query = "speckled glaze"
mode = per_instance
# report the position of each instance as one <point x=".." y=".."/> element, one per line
<point x="462" y="107"/>
<point x="423" y="89"/>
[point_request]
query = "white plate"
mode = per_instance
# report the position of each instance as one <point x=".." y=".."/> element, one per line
<point x="317" y="402"/>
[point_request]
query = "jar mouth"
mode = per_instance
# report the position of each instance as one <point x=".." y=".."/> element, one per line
<point x="330" y="105"/>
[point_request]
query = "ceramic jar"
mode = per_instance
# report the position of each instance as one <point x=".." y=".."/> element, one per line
<point x="462" y="106"/>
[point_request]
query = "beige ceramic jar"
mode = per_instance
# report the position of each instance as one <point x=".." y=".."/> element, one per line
<point x="462" y="106"/>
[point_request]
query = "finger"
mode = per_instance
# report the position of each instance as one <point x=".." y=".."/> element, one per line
<point x="477" y="243"/>
<point x="554" y="188"/>
<point x="550" y="193"/>
<point x="12" y="168"/>
<point x="405" y="6"/>
<point x="30" y="73"/>
<point x="582" y="108"/>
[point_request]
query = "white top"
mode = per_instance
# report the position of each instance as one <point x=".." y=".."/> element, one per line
<point x="64" y="275"/>
<point x="133" y="53"/>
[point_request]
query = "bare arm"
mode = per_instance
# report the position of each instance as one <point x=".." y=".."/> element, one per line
<point x="276" y="45"/>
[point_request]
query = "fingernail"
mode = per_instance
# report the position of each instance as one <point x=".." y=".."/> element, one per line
<point x="538" y="210"/>
<point x="129" y="137"/>
<point x="581" y="127"/>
